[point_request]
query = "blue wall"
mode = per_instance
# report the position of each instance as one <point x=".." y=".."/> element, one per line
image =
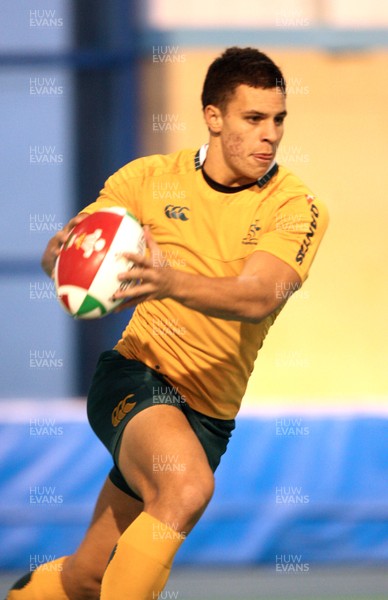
<point x="296" y="489"/>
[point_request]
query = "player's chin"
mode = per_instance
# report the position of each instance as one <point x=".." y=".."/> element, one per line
<point x="251" y="174"/>
<point x="259" y="172"/>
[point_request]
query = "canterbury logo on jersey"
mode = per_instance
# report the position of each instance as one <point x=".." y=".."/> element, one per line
<point x="122" y="409"/>
<point x="176" y="212"/>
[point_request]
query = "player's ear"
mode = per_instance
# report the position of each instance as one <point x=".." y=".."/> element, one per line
<point x="213" y="118"/>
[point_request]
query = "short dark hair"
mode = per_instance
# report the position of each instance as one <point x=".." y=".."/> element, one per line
<point x="238" y="66"/>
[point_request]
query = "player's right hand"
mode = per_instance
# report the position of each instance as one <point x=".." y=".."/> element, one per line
<point x="54" y="246"/>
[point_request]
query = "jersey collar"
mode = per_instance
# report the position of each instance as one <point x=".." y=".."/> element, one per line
<point x="200" y="157"/>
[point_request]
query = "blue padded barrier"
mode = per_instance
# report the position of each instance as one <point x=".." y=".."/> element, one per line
<point x="300" y="489"/>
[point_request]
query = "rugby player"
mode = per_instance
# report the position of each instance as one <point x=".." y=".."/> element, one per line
<point x="208" y="294"/>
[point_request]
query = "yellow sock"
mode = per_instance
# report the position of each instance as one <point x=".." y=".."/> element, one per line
<point x="43" y="584"/>
<point x="141" y="562"/>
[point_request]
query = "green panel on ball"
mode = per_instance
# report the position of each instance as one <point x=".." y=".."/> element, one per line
<point x="89" y="305"/>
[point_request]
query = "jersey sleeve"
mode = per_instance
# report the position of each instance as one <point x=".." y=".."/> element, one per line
<point x="121" y="189"/>
<point x="295" y="232"/>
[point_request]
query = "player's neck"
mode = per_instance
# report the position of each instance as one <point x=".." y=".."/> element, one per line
<point x="216" y="169"/>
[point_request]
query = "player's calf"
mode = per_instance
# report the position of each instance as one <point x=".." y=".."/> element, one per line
<point x="141" y="562"/>
<point x="81" y="581"/>
<point x="62" y="579"/>
<point x="43" y="584"/>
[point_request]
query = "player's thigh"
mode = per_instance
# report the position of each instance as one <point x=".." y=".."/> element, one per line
<point x="163" y="461"/>
<point x="114" y="512"/>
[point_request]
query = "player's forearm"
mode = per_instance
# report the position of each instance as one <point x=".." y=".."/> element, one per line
<point x="236" y="298"/>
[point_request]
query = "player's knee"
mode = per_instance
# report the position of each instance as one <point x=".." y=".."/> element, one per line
<point x="180" y="500"/>
<point x="189" y="501"/>
<point x="195" y="496"/>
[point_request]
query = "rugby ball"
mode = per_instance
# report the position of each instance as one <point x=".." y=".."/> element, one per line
<point x="89" y="262"/>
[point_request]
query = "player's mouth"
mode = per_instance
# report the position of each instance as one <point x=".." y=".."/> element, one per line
<point x="263" y="157"/>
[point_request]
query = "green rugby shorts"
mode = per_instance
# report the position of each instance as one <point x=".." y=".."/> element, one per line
<point x="121" y="388"/>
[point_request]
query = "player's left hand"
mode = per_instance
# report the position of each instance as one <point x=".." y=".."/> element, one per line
<point x="153" y="275"/>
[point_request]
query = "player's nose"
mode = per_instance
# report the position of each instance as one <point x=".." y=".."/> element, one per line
<point x="269" y="131"/>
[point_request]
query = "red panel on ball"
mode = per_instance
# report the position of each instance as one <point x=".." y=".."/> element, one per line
<point x="85" y="249"/>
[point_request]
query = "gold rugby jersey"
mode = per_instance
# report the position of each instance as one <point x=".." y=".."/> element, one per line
<point x="206" y="229"/>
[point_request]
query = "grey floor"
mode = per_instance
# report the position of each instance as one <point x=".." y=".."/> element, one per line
<point x="265" y="584"/>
